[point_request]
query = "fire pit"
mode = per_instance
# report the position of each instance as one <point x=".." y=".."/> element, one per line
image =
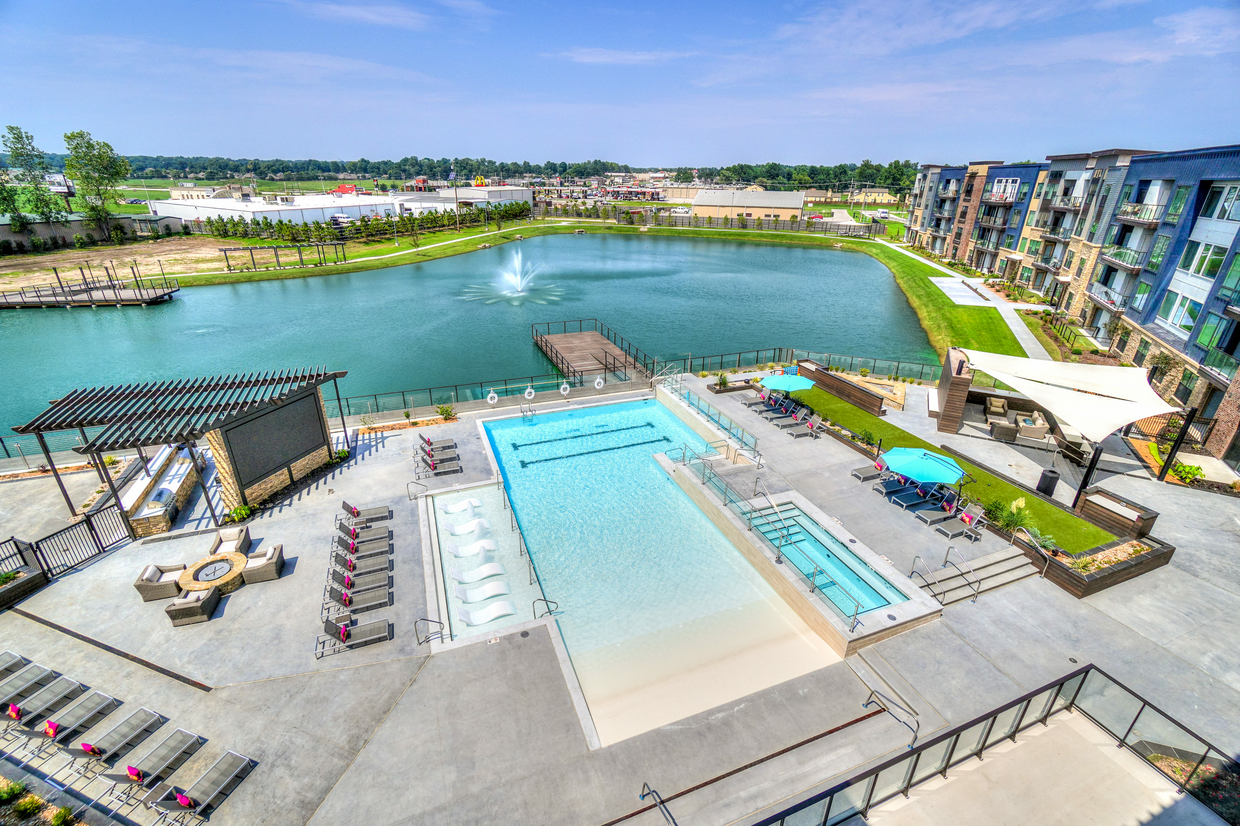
<point x="220" y="570"/>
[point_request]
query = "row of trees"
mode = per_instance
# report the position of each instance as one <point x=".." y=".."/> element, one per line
<point x="365" y="228"/>
<point x="93" y="165"/>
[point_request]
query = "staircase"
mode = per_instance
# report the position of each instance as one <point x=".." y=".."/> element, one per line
<point x="989" y="572"/>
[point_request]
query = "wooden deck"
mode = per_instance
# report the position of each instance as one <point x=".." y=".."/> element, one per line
<point x="586" y="353"/>
<point x="77" y="296"/>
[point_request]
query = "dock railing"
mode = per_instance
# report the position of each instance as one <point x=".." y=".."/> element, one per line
<point x="87" y="291"/>
<point x="640" y="359"/>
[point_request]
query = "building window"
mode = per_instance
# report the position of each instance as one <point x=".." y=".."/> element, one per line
<point x="1021" y="248"/>
<point x="1185" y="388"/>
<point x="1143" y="350"/>
<point x="1067" y="260"/>
<point x="1068" y="300"/>
<point x="1037" y="193"/>
<point x="1222" y="203"/>
<point x="1024" y="193"/>
<point x="1179" y="310"/>
<point x="1158" y="252"/>
<point x="1123" y="341"/>
<point x="1026" y="273"/>
<point x="1231" y="283"/>
<point x="1203" y="259"/>
<point x="1177" y="204"/>
<point x="1009" y="242"/>
<point x="1125" y="193"/>
<point x="1213" y="328"/>
<point x="1142" y="296"/>
<point x="1035" y="247"/>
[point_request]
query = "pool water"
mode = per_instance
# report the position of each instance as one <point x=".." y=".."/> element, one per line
<point x="661" y="615"/>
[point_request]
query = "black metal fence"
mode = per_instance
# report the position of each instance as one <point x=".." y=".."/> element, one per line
<point x="12" y="554"/>
<point x="15" y="445"/>
<point x="80" y="542"/>
<point x="1167" y="427"/>
<point x="645" y="218"/>
<point x="586" y="325"/>
<point x="1188" y="761"/>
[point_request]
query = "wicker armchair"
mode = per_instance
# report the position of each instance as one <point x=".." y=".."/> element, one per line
<point x="189" y="608"/>
<point x="159" y="582"/>
<point x="264" y="566"/>
<point x="234" y="540"/>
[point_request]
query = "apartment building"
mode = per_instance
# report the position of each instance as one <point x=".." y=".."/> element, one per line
<point x="932" y="207"/>
<point x="1169" y="271"/>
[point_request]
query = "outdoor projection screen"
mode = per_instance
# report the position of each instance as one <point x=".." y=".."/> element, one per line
<point x="262" y="445"/>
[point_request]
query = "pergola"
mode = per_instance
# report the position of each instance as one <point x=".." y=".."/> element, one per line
<point x="181" y="411"/>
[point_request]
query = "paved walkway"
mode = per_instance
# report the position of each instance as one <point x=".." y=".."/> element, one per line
<point x="958" y="290"/>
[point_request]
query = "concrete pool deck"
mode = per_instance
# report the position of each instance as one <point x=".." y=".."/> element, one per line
<point x="488" y="731"/>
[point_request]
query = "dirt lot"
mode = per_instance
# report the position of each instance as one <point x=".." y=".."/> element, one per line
<point x="179" y="254"/>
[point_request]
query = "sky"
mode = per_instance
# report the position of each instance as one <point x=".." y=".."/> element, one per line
<point x="642" y="83"/>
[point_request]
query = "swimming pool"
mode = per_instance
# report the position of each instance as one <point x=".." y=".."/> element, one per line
<point x="662" y="617"/>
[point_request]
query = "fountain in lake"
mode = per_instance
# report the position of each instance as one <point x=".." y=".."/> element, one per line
<point x="514" y="285"/>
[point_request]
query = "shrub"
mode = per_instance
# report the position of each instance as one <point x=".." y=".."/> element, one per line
<point x="111" y="461"/>
<point x="37" y="243"/>
<point x="27" y="806"/>
<point x="1015" y="516"/>
<point x="406" y="415"/>
<point x="79" y="241"/>
<point x="11" y="791"/>
<point x="341" y="455"/>
<point x="1186" y="473"/>
<point x="118" y="234"/>
<point x="994" y="511"/>
<point x="722" y="381"/>
<point x="446" y="411"/>
<point x="703" y="374"/>
<point x="240" y="512"/>
<point x="6" y="247"/>
<point x="867" y="437"/>
<point x="185" y="229"/>
<point x="1094" y="351"/>
<point x="62" y="817"/>
<point x="865" y="371"/>
<point x="20" y="246"/>
<point x="1076" y="351"/>
<point x="367" y="420"/>
<point x="7" y="577"/>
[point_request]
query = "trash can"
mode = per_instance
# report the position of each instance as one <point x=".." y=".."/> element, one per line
<point x="1046" y="484"/>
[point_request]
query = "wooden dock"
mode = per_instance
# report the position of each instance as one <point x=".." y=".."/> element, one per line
<point x="584" y="354"/>
<point x="92" y="295"/>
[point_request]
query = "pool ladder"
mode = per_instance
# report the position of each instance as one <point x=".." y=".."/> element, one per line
<point x="527" y="412"/>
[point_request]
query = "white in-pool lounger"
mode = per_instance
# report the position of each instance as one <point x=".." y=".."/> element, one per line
<point x="471" y="549"/>
<point x="482" y="616"/>
<point x="487" y="569"/>
<point x="457" y="507"/>
<point x="482" y="592"/>
<point x="474" y="526"/>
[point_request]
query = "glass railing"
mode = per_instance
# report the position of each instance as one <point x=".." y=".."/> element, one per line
<point x="1066" y="202"/>
<point x="1115" y="298"/>
<point x="948" y="193"/>
<point x="1059" y="233"/>
<point x="747" y="441"/>
<point x="1188" y="761"/>
<point x="1223" y="364"/>
<point x="1230" y="295"/>
<point x="1140" y="212"/>
<point x="1125" y="256"/>
<point x="1048" y="262"/>
<point x="998" y="197"/>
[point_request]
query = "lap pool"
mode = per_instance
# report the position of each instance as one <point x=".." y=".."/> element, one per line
<point x="661" y="615"/>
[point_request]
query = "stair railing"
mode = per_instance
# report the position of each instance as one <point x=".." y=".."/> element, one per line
<point x="975" y="586"/>
<point x="924" y="564"/>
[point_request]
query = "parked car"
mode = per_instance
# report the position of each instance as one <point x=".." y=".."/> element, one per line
<point x="681" y="210"/>
<point x="884" y="214"/>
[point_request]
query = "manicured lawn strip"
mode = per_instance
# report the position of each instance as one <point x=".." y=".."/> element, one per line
<point x="1034" y="323"/>
<point x="1070" y="533"/>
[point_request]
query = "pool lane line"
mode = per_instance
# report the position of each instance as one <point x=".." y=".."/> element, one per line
<point x="747" y="766"/>
<point x="525" y="463"/>
<point x="516" y="446"/>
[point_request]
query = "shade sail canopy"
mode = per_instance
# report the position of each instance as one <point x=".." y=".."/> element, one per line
<point x="787" y="384"/>
<point x="922" y="465"/>
<point x="1095" y="399"/>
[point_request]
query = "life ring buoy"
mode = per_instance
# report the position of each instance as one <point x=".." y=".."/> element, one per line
<point x="492" y="398"/>
<point x="564" y="389"/>
<point x="529" y="394"/>
<point x="598" y="383"/>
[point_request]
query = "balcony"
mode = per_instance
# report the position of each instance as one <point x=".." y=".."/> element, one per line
<point x="1222" y="365"/>
<point x="1107" y="297"/>
<point x="986" y="244"/>
<point x="945" y="213"/>
<point x="999" y="198"/>
<point x="1060" y="233"/>
<point x="948" y="194"/>
<point x="941" y="232"/>
<point x="992" y="221"/>
<point x="1145" y="215"/>
<point x="1047" y="263"/>
<point x="1066" y="202"/>
<point x="1130" y="259"/>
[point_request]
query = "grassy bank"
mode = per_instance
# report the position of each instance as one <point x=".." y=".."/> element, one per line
<point x="1070" y="533"/>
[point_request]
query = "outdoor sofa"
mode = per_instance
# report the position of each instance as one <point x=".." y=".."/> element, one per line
<point x="1032" y="427"/>
<point x="231" y="540"/>
<point x="264" y="566"/>
<point x="996" y="410"/>
<point x="193" y="606"/>
<point x="159" y="582"/>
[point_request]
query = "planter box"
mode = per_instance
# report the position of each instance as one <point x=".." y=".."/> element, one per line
<point x="1083" y="585"/>
<point x="733" y="387"/>
<point x="1115" y="514"/>
<point x="29" y="580"/>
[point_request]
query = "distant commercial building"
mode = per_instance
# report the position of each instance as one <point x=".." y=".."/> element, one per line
<point x="197" y="193"/>
<point x="731" y="203"/>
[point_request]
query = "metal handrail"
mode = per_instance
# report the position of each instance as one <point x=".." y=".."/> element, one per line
<point x="429" y="633"/>
<point x="409" y="489"/>
<point x="658" y="803"/>
<point x="914" y="570"/>
<point x="876" y="696"/>
<point x="977" y="587"/>
<point x="550" y="605"/>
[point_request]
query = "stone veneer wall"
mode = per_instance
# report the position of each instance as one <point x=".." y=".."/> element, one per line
<point x="1226" y="421"/>
<point x="230" y="491"/>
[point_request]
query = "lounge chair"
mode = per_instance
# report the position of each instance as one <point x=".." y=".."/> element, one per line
<point x="162" y="761"/>
<point x="68" y="726"/>
<point x="358" y="584"/>
<point x="436" y="467"/>
<point x="811" y="428"/>
<point x="472" y="548"/>
<point x="119" y="741"/>
<point x="435" y="444"/>
<point x="364" y="550"/>
<point x="867" y="473"/>
<point x="916" y="497"/>
<point x="366" y="514"/>
<point x="893" y="485"/>
<point x="465" y="505"/>
<point x="359" y="602"/>
<point x="193" y="606"/>
<point x="360" y="535"/>
<point x="473" y="526"/>
<point x="42" y="704"/>
<point x="361" y="567"/>
<point x="490" y="613"/>
<point x="363" y="633"/>
<point x="487" y="569"/>
<point x="264" y="566"/>
<point x="11" y="663"/>
<point x="996" y="410"/>
<point x="946" y="510"/>
<point x="442" y="455"/>
<point x="756" y="401"/>
<point x="799" y="418"/>
<point x="231" y="540"/>
<point x="483" y="592"/>
<point x="159" y="582"/>
<point x="968" y="524"/>
<point x="24" y="683"/>
<point x="783" y="411"/>
<point x="208" y="791"/>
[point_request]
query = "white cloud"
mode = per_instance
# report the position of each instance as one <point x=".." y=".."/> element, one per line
<point x="471" y="8"/>
<point x="1205" y="31"/>
<point x="371" y="14"/>
<point x="617" y="57"/>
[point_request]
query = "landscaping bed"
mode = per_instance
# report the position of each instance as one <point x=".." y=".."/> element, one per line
<point x="19" y="806"/>
<point x="1151" y="452"/>
<point x="1218" y="787"/>
<point x="17" y="585"/>
<point x="1096" y="569"/>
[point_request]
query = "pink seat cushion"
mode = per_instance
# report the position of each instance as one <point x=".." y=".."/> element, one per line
<point x="134" y="774"/>
<point x="183" y="800"/>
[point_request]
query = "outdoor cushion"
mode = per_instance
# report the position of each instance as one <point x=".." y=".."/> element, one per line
<point x="184" y="801"/>
<point x="150" y="574"/>
<point x="231" y="534"/>
<point x="169" y="576"/>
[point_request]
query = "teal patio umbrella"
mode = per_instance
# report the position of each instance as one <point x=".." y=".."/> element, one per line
<point x="922" y="465"/>
<point x="786" y="384"/>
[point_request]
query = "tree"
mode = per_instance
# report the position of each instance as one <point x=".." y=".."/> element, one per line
<point x="683" y="176"/>
<point x="97" y="169"/>
<point x="31" y="195"/>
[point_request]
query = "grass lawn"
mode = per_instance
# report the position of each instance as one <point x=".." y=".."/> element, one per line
<point x="1034" y="323"/>
<point x="1070" y="533"/>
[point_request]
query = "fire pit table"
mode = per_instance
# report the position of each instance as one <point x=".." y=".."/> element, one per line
<point x="220" y="570"/>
